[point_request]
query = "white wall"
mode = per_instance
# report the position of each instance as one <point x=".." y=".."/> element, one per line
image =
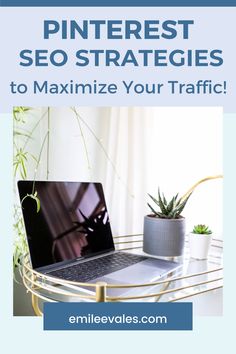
<point x="190" y="144"/>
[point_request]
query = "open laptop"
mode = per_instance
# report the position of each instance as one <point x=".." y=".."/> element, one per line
<point x="70" y="236"/>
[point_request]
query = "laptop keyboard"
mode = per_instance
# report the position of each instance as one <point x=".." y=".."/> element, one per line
<point x="86" y="271"/>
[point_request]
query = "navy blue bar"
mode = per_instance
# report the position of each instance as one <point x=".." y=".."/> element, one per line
<point x="118" y="316"/>
<point x="109" y="3"/>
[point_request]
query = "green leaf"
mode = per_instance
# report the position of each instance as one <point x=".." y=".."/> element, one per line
<point x="16" y="168"/>
<point x="24" y="173"/>
<point x="26" y="135"/>
<point x="162" y="216"/>
<point x="170" y="206"/>
<point x="172" y="214"/>
<point x="154" y="199"/>
<point x="34" y="158"/>
<point x="171" y="209"/>
<point x="164" y="199"/>
<point x="161" y="203"/>
<point x="153" y="210"/>
<point x="182" y="205"/>
<point x="34" y="197"/>
<point x="38" y="203"/>
<point x="201" y="229"/>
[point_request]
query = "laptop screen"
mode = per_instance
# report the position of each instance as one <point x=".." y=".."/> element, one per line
<point x="72" y="221"/>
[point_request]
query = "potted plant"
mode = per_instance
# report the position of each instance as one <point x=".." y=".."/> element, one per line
<point x="164" y="229"/>
<point x="199" y="241"/>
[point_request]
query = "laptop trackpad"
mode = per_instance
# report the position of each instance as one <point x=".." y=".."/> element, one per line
<point x="148" y="270"/>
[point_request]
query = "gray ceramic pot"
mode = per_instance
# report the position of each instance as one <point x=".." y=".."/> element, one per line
<point x="163" y="237"/>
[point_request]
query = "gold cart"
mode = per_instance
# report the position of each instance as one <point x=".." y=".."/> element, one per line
<point x="195" y="278"/>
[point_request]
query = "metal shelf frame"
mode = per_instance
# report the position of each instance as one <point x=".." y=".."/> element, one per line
<point x="46" y="288"/>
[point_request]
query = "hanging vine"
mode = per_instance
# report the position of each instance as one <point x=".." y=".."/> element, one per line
<point x="21" y="160"/>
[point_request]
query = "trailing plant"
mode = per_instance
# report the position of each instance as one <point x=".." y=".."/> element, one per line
<point x="201" y="230"/>
<point x="19" y="113"/>
<point x="22" y="158"/>
<point x="20" y="244"/>
<point x="168" y="209"/>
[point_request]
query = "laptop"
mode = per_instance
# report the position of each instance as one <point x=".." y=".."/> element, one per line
<point x="70" y="236"/>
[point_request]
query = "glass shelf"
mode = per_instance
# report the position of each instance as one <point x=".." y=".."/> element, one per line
<point x="194" y="278"/>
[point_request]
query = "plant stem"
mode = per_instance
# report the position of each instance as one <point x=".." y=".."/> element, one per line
<point x="32" y="131"/>
<point x="185" y="196"/>
<point x="48" y="142"/>
<point x="103" y="149"/>
<point x="84" y="142"/>
<point x="38" y="161"/>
